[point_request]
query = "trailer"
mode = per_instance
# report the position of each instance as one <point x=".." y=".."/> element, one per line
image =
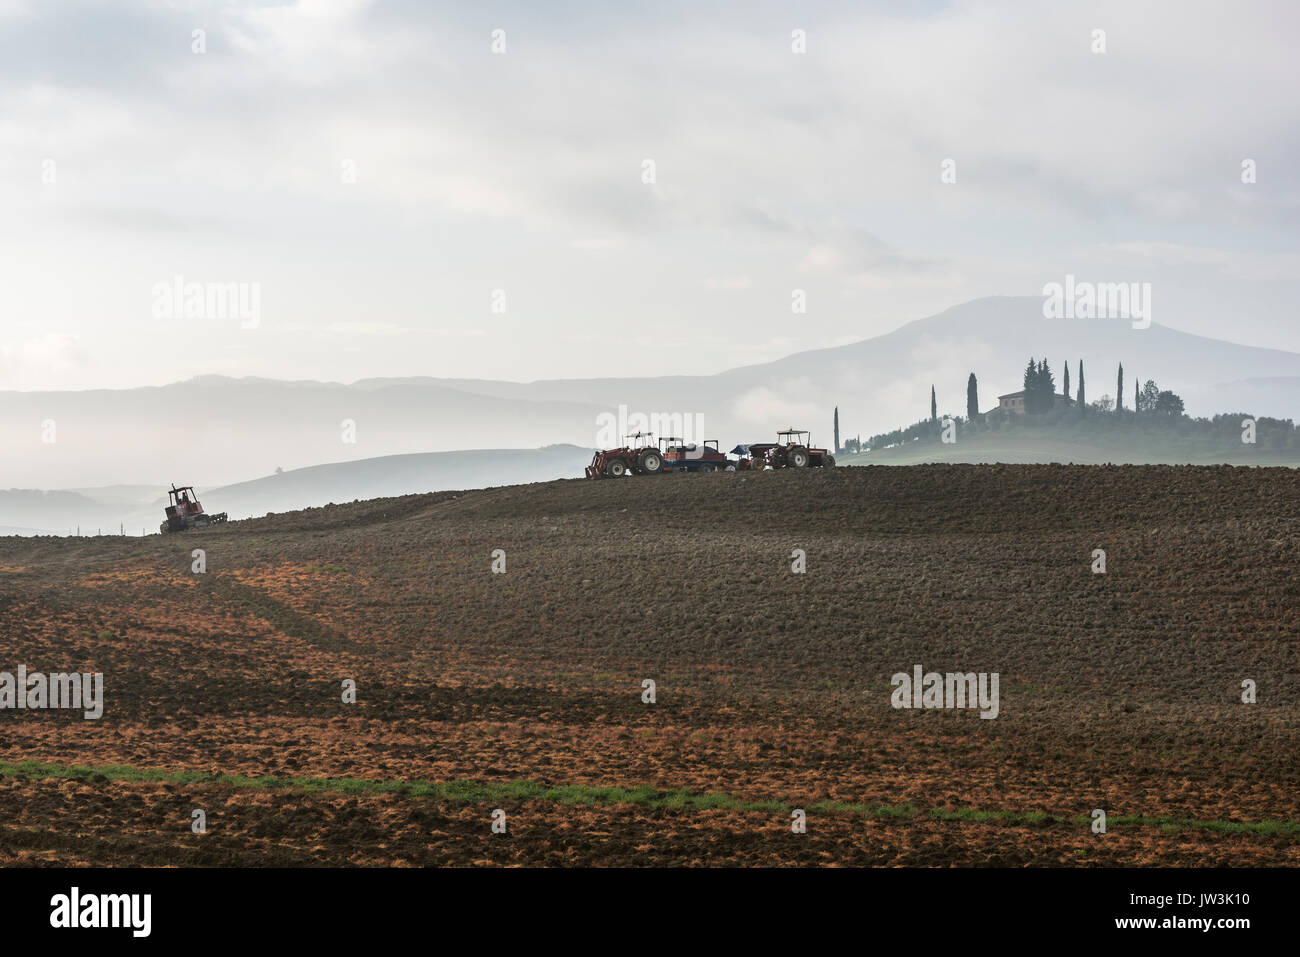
<point x="687" y="457"/>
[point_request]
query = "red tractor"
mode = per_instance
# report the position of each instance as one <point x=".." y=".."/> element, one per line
<point x="185" y="512"/>
<point x="638" y="456"/>
<point x="792" y="449"/>
<point x="680" y="456"/>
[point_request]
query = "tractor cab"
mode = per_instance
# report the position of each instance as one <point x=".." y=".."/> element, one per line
<point x="792" y="437"/>
<point x="673" y="444"/>
<point x="183" y="502"/>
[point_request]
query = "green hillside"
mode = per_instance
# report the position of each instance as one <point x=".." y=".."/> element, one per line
<point x="1098" y="439"/>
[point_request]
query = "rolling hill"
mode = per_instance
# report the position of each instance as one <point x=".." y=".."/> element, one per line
<point x="224" y="430"/>
<point x="140" y="509"/>
<point x="522" y="688"/>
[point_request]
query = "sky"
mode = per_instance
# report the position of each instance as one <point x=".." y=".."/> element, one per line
<point x="496" y="190"/>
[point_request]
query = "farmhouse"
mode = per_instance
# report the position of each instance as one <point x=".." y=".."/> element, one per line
<point x="1014" y="402"/>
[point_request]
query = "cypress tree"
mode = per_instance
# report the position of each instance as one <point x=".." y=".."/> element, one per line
<point x="1045" y="397"/>
<point x="1031" y="384"/>
<point x="837" y="430"/>
<point x="1081" y="398"/>
<point x="934" y="407"/>
<point x="972" y="398"/>
<point x="1065" y="387"/>
<point x="1119" y="390"/>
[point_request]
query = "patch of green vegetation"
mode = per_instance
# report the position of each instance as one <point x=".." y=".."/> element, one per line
<point x="593" y="796"/>
<point x="1095" y="439"/>
<point x="968" y="814"/>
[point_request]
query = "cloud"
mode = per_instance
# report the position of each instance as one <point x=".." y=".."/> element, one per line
<point x="1250" y="266"/>
<point x="764" y="405"/>
<point x="28" y="360"/>
<point x="774" y="171"/>
<point x="368" y="328"/>
<point x="729" y="283"/>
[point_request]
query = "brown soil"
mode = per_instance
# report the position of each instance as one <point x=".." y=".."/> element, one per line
<point x="1119" y="691"/>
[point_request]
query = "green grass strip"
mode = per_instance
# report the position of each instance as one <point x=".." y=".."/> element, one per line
<point x="591" y="796"/>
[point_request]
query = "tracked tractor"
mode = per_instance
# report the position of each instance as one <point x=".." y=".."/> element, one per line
<point x="186" y="512"/>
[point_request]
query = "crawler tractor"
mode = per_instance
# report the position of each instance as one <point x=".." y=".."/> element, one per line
<point x="638" y="456"/>
<point x="185" y="512"/>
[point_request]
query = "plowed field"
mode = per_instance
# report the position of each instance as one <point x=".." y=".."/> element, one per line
<point x="523" y="691"/>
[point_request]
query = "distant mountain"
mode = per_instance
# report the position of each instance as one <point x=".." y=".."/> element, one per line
<point x="393" y="475"/>
<point x="32" y="512"/>
<point x="1259" y="396"/>
<point x="220" y="430"/>
<point x="884" y="382"/>
<point x="35" y="512"/>
<point x="224" y="430"/>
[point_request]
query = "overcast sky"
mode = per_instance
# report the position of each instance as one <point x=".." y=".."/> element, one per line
<point x="126" y="159"/>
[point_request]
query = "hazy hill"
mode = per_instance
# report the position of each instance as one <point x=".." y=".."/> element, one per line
<point x="32" y="512"/>
<point x="881" y="381"/>
<point x="223" y="430"/>
<point x="1066" y="441"/>
<point x="26" y="511"/>
<point x="394" y="475"/>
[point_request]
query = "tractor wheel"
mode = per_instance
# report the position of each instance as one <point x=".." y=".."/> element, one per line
<point x="706" y="468"/>
<point x="650" y="462"/>
<point x="828" y="462"/>
<point x="731" y="468"/>
<point x="797" y="457"/>
<point x="616" y="468"/>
